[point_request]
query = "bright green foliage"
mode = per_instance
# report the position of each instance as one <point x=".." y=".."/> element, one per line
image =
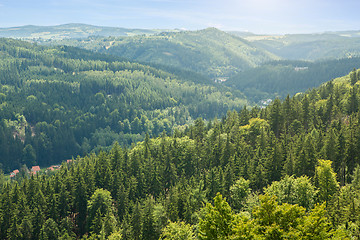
<point x="115" y="236"/>
<point x="244" y="229"/>
<point x="238" y="192"/>
<point x="274" y="221"/>
<point x="101" y="213"/>
<point x="316" y="226"/>
<point x="177" y="231"/>
<point x="325" y="180"/>
<point x="293" y="191"/>
<point x="217" y="221"/>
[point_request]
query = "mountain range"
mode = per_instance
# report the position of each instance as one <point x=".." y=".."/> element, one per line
<point x="71" y="30"/>
<point x="317" y="46"/>
<point x="211" y="52"/>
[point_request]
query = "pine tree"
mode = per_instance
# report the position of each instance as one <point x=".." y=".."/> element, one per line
<point x="275" y="117"/>
<point x="353" y="101"/>
<point x="353" y="77"/>
<point x="49" y="230"/>
<point x="100" y="208"/>
<point x="26" y="228"/>
<point x="325" y="180"/>
<point x="148" y="228"/>
<point x="14" y="230"/>
<point x="136" y="222"/>
<point x="80" y="205"/>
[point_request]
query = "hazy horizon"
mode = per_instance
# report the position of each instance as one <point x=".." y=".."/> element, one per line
<point x="182" y="29"/>
<point x="255" y="16"/>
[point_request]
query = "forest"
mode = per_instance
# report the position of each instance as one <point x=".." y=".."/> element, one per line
<point x="313" y="46"/>
<point x="280" y="78"/>
<point x="59" y="102"/>
<point x="157" y="151"/>
<point x="287" y="171"/>
<point x="210" y="52"/>
<point x="256" y="65"/>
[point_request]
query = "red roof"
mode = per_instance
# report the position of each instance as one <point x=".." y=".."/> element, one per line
<point x="35" y="168"/>
<point x="16" y="171"/>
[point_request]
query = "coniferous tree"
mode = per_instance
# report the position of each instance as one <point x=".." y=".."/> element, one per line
<point x="136" y="222"/>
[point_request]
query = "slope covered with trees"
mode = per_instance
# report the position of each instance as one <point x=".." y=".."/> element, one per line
<point x="243" y="63"/>
<point x="210" y="51"/>
<point x="288" y="171"/>
<point x="280" y="78"/>
<point x="328" y="45"/>
<point x="58" y="102"/>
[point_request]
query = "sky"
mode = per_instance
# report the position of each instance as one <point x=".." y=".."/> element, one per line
<point x="257" y="16"/>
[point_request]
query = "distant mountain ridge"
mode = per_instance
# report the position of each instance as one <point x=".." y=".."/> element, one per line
<point x="71" y="30"/>
<point x="315" y="46"/>
<point x="211" y="52"/>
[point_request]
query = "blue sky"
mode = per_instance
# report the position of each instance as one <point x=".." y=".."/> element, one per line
<point x="258" y="16"/>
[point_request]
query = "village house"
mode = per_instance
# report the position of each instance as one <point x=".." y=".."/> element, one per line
<point x="13" y="173"/>
<point x="53" y="168"/>
<point x="35" y="169"/>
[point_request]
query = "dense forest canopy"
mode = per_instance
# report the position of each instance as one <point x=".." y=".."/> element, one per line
<point x="287" y="171"/>
<point x="211" y="52"/>
<point x="164" y="153"/>
<point x="280" y="78"/>
<point x="58" y="102"/>
<point x="246" y="62"/>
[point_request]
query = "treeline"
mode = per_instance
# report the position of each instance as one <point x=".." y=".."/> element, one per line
<point x="280" y="78"/>
<point x="268" y="163"/>
<point x="59" y="102"/>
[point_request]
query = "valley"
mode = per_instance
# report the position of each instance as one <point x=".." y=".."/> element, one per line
<point x="177" y="134"/>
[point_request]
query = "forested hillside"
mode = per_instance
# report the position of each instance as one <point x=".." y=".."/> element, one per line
<point x="58" y="102"/>
<point x="328" y="45"/>
<point x="288" y="171"/>
<point x="280" y="78"/>
<point x="210" y="51"/>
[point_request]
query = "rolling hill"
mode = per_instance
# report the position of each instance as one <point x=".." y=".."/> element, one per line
<point x="71" y="30"/>
<point x="280" y="78"/>
<point x="328" y="45"/>
<point x="211" y="52"/>
<point x="58" y="102"/>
